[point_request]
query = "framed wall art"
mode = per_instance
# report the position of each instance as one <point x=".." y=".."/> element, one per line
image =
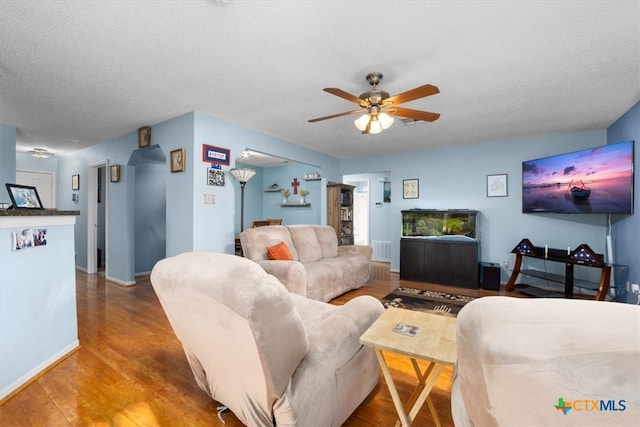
<point x="497" y="185"/>
<point x="410" y="188"/>
<point x="386" y="192"/>
<point x="114" y="173"/>
<point x="216" y="155"/>
<point x="75" y="182"/>
<point x="144" y="137"/>
<point x="178" y="160"/>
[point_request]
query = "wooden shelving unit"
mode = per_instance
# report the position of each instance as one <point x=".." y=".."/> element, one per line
<point x="340" y="211"/>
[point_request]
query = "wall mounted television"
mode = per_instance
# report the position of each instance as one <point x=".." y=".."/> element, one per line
<point x="595" y="180"/>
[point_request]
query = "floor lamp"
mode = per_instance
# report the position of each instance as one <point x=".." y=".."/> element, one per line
<point x="243" y="175"/>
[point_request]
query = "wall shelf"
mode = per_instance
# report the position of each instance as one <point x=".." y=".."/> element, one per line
<point x="294" y="204"/>
<point x="312" y="179"/>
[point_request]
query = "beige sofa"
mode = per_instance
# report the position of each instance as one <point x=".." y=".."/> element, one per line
<point x="320" y="269"/>
<point x="271" y="356"/>
<point x="545" y="361"/>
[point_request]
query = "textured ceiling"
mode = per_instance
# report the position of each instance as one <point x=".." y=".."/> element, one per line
<point x="78" y="73"/>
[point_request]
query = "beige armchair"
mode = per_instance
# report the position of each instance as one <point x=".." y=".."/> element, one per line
<point x="547" y="361"/>
<point x="271" y="356"/>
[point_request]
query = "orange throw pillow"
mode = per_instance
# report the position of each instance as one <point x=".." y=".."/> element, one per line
<point x="279" y="252"/>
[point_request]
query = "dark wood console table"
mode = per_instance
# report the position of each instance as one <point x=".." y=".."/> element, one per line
<point x="583" y="255"/>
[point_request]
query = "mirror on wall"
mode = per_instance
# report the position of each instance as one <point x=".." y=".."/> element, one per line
<point x="264" y="198"/>
<point x="251" y="157"/>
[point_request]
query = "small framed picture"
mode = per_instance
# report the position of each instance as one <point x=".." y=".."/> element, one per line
<point x="386" y="192"/>
<point x="215" y="177"/>
<point x="178" y="160"/>
<point x="115" y="173"/>
<point x="75" y="182"/>
<point x="144" y="137"/>
<point x="410" y="188"/>
<point x="497" y="185"/>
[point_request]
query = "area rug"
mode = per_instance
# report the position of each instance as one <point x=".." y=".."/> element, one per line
<point x="430" y="301"/>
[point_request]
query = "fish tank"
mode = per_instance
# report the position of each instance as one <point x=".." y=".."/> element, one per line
<point x="452" y="223"/>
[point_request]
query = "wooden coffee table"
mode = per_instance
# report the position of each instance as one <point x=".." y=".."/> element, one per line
<point x="434" y="342"/>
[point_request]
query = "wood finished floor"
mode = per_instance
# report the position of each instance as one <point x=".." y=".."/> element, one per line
<point x="131" y="371"/>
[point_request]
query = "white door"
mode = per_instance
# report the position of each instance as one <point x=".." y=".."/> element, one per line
<point x="43" y="181"/>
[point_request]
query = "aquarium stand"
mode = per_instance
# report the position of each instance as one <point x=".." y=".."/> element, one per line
<point x="440" y="260"/>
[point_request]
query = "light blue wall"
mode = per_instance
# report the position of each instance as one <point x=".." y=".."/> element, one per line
<point x="150" y="215"/>
<point x="38" y="323"/>
<point x="7" y="159"/>
<point x="25" y="161"/>
<point x="172" y="135"/>
<point x="118" y="214"/>
<point x="455" y="178"/>
<point x="626" y="229"/>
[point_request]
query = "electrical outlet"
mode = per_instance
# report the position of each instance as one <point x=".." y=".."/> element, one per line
<point x="635" y="288"/>
<point x="505" y="264"/>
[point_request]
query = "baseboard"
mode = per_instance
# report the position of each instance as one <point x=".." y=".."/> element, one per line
<point x="84" y="270"/>
<point x="119" y="282"/>
<point x="24" y="381"/>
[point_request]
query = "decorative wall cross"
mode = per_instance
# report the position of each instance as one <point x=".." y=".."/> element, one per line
<point x="295" y="183"/>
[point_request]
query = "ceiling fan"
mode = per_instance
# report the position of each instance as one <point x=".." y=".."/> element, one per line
<point x="378" y="106"/>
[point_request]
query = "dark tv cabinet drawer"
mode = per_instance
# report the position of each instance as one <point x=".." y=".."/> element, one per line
<point x="440" y="261"/>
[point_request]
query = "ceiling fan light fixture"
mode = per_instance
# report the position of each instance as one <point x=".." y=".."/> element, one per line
<point x="40" y="153"/>
<point x="362" y="121"/>
<point x="385" y="120"/>
<point x="375" y="127"/>
<point x="374" y="103"/>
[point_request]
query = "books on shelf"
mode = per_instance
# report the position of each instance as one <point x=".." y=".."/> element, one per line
<point x="346" y="214"/>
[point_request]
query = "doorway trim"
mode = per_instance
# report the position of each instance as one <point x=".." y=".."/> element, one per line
<point x="92" y="217"/>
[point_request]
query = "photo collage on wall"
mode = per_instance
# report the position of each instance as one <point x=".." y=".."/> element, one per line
<point x="29" y="238"/>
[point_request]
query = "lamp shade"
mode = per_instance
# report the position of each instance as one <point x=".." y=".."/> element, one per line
<point x="375" y="127"/>
<point x="361" y="122"/>
<point x="242" y="174"/>
<point x="379" y="122"/>
<point x="385" y="120"/>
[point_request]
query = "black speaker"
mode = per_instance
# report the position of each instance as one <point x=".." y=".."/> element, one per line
<point x="489" y="274"/>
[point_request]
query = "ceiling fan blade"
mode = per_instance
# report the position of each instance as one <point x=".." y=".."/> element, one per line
<point x="345" y="95"/>
<point x="413" y="114"/>
<point x="410" y="95"/>
<point x="333" y="116"/>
